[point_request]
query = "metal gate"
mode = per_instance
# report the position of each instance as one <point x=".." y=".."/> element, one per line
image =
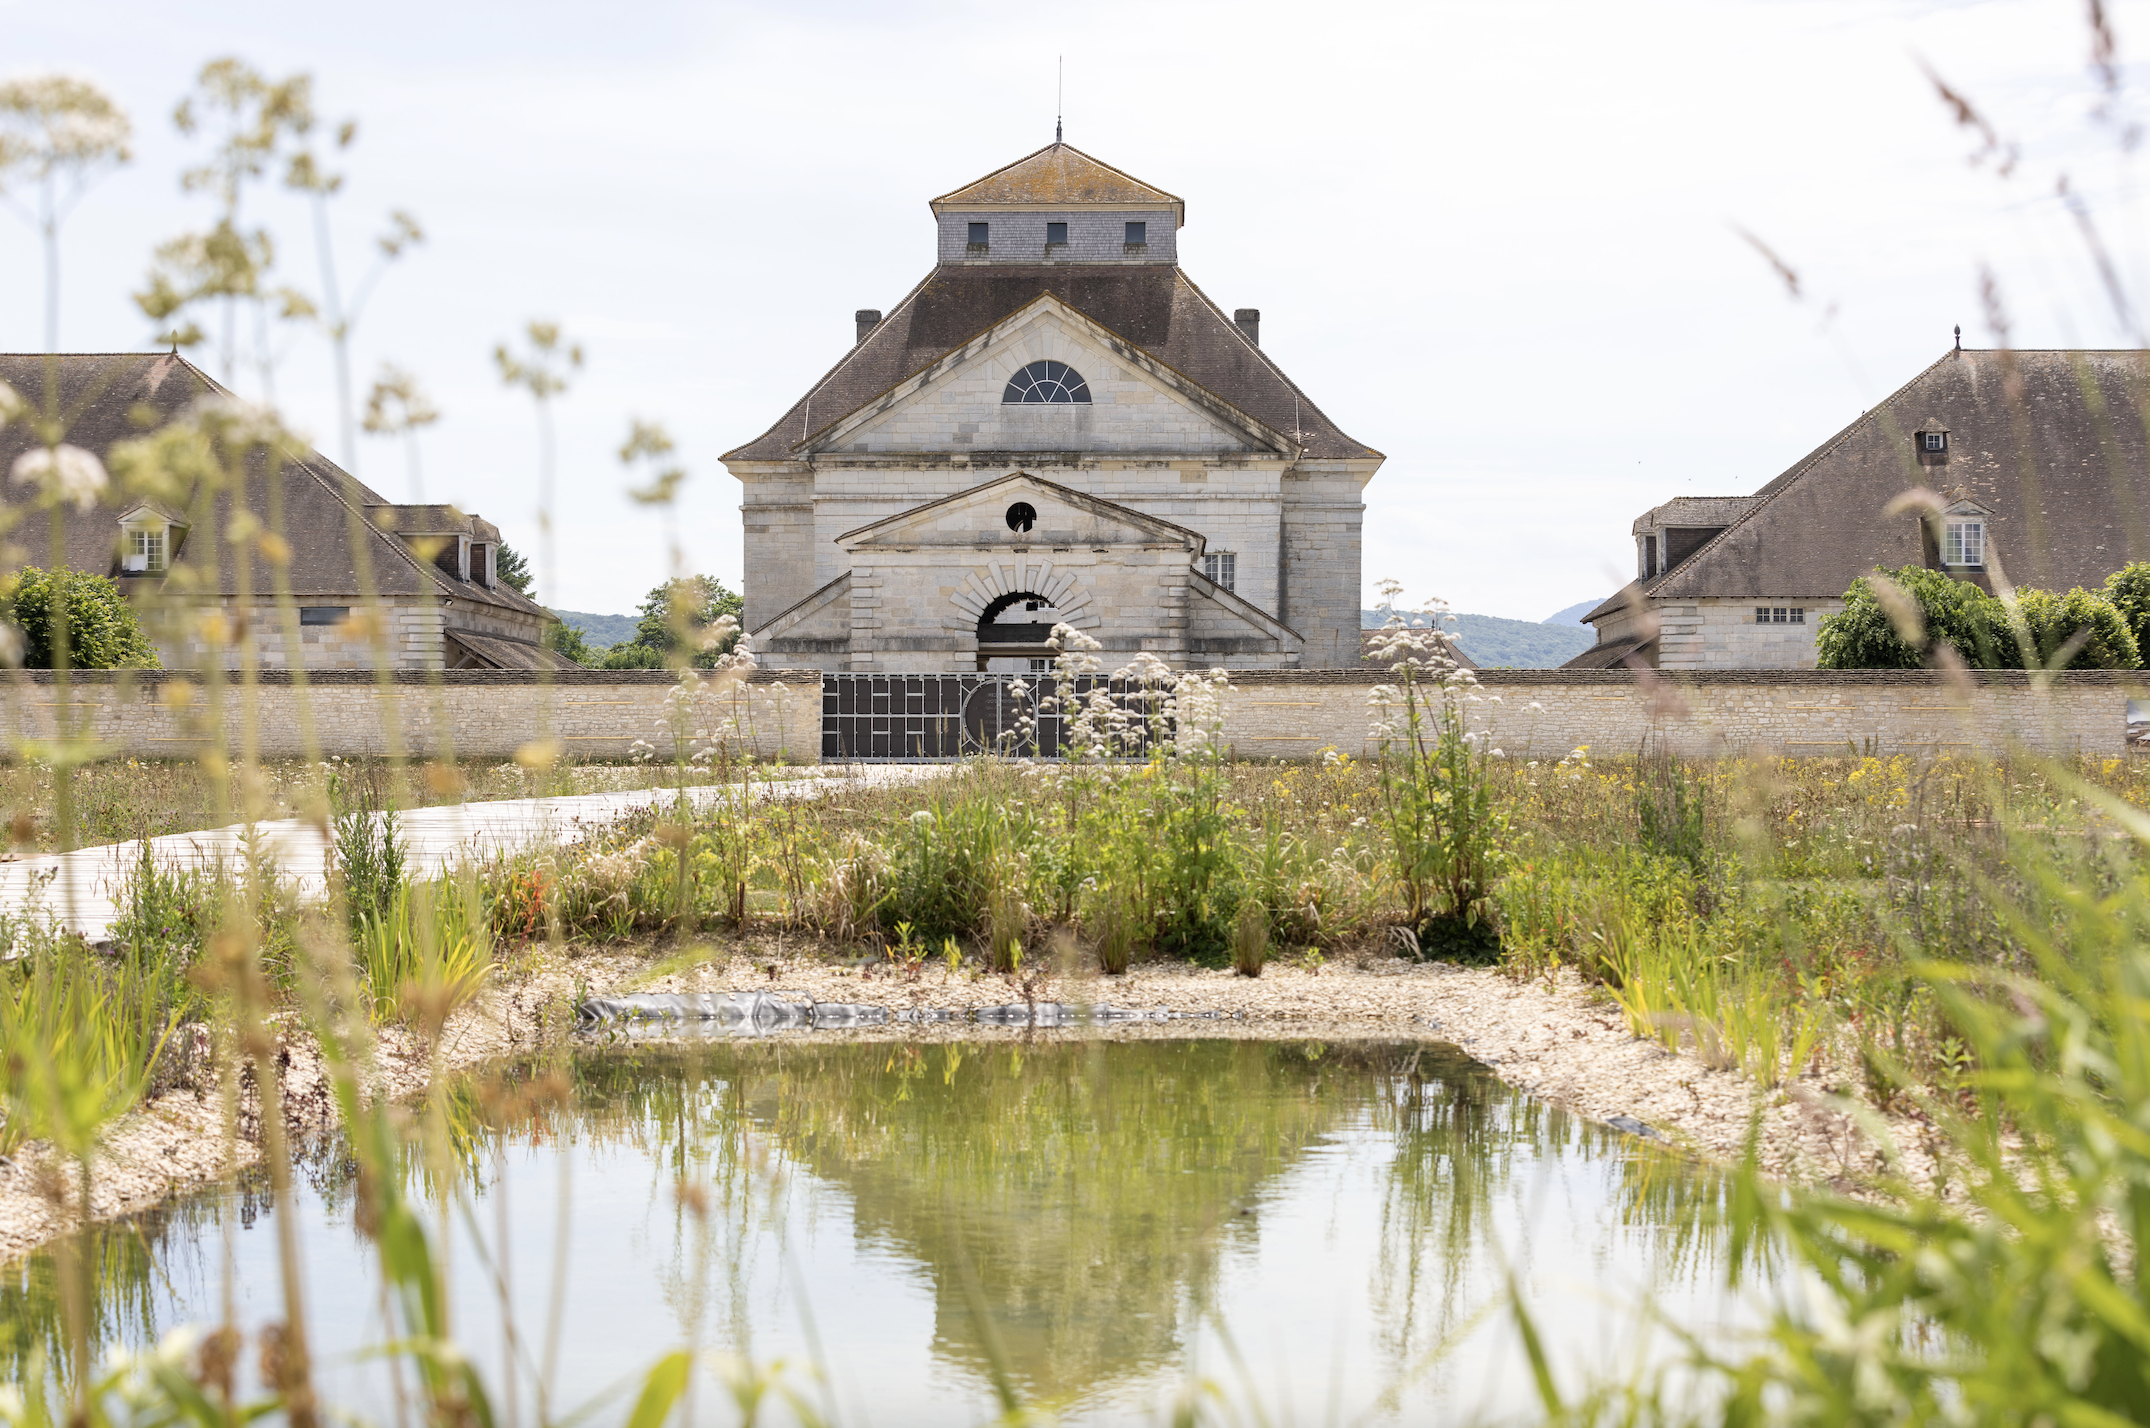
<point x="928" y="718"/>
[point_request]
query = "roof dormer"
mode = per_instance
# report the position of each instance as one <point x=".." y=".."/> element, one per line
<point x="148" y="539"/>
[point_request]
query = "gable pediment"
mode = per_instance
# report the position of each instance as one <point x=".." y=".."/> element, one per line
<point x="1137" y="404"/>
<point x="1060" y="516"/>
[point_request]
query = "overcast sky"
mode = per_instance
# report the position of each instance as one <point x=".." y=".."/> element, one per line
<point x="1496" y="241"/>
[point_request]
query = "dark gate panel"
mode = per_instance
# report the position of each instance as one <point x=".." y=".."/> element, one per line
<point x="930" y="718"/>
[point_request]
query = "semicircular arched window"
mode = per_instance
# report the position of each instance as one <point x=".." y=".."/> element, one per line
<point x="1046" y="381"/>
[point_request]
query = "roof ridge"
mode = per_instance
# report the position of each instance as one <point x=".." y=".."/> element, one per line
<point x="1180" y="275"/>
<point x="1798" y="469"/>
<point x="852" y="351"/>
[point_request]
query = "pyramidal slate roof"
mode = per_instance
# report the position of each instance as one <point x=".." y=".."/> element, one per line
<point x="2051" y="443"/>
<point x="1060" y="174"/>
<point x="107" y="398"/>
<point x="1153" y="306"/>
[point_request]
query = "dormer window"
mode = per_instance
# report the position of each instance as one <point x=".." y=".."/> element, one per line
<point x="1138" y="234"/>
<point x="1056" y="235"/>
<point x="1963" y="541"/>
<point x="146" y="552"/>
<point x="978" y="232"/>
<point x="1933" y="441"/>
<point x="147" y="540"/>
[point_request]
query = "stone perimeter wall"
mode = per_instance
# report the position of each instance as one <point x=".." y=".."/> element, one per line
<point x="1292" y="714"/>
<point x="482" y="713"/>
<point x="1776" y="712"/>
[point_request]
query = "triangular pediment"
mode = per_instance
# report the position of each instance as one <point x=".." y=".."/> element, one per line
<point x="1059" y="517"/>
<point x="1137" y="404"/>
<point x="1058" y="174"/>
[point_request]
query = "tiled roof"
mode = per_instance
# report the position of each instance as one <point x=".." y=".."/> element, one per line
<point x="501" y="652"/>
<point x="108" y="398"/>
<point x="1154" y="307"/>
<point x="1060" y="174"/>
<point x="2052" y="443"/>
<point x="1694" y="511"/>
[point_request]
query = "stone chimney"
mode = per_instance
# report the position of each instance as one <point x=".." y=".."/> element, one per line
<point x="1250" y="322"/>
<point x="868" y="319"/>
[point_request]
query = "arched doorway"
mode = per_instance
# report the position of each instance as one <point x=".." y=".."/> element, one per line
<point x="1013" y="631"/>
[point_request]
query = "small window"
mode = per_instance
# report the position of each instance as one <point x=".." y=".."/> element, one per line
<point x="1649" y="556"/>
<point x="324" y="614"/>
<point x="146" y="551"/>
<point x="1055" y="233"/>
<point x="1223" y="567"/>
<point x="1964" y="543"/>
<point x="1933" y="441"/>
<point x="1021" y="517"/>
<point x="1041" y="666"/>
<point x="1138" y="233"/>
<point x="977" y="234"/>
<point x="1048" y="381"/>
<point x="1780" y="614"/>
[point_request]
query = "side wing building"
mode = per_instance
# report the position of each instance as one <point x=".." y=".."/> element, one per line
<point x="431" y="572"/>
<point x="2039" y="470"/>
<point x="1055" y="426"/>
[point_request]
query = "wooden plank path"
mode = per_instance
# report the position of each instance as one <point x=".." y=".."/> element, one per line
<point x="79" y="889"/>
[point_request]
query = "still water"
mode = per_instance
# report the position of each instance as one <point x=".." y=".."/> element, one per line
<point x="1322" y="1229"/>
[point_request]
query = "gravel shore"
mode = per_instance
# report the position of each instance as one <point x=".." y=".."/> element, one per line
<point x="1559" y="1042"/>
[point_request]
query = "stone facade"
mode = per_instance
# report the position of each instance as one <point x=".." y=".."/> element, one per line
<point x="1184" y="423"/>
<point x="1093" y="236"/>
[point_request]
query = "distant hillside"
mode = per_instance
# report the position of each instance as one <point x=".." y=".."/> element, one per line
<point x="1504" y="644"/>
<point x="1573" y="615"/>
<point x="600" y="630"/>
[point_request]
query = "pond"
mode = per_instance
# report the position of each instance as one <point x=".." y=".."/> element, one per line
<point x="1320" y="1228"/>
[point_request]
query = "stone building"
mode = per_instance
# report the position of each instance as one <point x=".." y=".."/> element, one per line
<point x="2034" y="469"/>
<point x="1056" y="425"/>
<point x="432" y="568"/>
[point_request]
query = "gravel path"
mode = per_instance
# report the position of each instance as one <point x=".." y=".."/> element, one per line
<point x="79" y="888"/>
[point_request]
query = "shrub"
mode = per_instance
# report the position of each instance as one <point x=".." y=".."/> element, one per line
<point x="1954" y="612"/>
<point x="2129" y="590"/>
<point x="2054" y="620"/>
<point x="102" y="631"/>
<point x="631" y="656"/>
<point x="1447" y="830"/>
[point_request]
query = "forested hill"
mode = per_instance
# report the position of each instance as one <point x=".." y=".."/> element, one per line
<point x="600" y="630"/>
<point x="1498" y="643"/>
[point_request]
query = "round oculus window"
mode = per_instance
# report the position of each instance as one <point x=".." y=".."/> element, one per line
<point x="1022" y="516"/>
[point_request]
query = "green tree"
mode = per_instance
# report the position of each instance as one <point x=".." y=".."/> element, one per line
<point x="676" y="615"/>
<point x="2086" y="619"/>
<point x="1864" y="635"/>
<point x="2129" y="590"/>
<point x="102" y="631"/>
<point x="513" y="568"/>
<point x="566" y="639"/>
